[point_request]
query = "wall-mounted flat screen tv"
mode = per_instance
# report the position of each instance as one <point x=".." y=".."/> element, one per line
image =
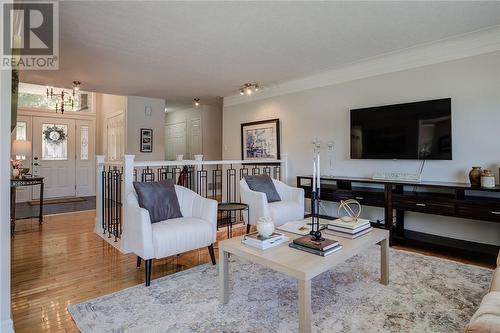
<point x="416" y="131"/>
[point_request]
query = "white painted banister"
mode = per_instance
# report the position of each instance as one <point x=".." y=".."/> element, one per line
<point x="284" y="168"/>
<point x="128" y="174"/>
<point x="194" y="162"/>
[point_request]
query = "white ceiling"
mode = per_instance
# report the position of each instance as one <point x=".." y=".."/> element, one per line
<point x="181" y="50"/>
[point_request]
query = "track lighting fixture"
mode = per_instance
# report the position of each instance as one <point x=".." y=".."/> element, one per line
<point x="196" y="102"/>
<point x="249" y="88"/>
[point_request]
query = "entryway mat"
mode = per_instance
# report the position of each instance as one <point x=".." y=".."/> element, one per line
<point x="57" y="201"/>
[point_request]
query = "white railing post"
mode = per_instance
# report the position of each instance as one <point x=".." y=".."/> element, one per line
<point x="284" y="168"/>
<point x="128" y="179"/>
<point x="98" y="194"/>
<point x="128" y="175"/>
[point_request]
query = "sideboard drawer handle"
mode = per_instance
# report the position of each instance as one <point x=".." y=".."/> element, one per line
<point x="496" y="213"/>
<point x="421" y="204"/>
<point x="358" y="198"/>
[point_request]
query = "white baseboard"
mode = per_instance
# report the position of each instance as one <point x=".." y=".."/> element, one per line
<point x="7" y="326"/>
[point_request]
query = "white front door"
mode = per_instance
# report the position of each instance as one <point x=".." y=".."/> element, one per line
<point x="54" y="155"/>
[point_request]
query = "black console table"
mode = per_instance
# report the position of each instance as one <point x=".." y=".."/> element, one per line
<point x="17" y="182"/>
<point x="437" y="198"/>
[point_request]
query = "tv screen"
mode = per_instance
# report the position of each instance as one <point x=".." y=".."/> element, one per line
<point x="419" y="130"/>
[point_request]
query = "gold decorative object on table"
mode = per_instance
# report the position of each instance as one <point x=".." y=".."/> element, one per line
<point x="353" y="213"/>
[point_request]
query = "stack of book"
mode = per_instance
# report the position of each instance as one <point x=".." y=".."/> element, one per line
<point x="349" y="230"/>
<point x="263" y="243"/>
<point x="322" y="248"/>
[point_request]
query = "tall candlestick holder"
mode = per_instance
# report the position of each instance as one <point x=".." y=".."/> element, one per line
<point x="315" y="225"/>
<point x="316" y="189"/>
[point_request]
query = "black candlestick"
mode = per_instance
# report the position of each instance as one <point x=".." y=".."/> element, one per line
<point x="315" y="227"/>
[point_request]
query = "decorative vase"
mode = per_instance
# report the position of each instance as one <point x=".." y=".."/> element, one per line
<point x="265" y="226"/>
<point x="475" y="176"/>
<point x="15" y="173"/>
<point x="487" y="179"/>
<point x="179" y="157"/>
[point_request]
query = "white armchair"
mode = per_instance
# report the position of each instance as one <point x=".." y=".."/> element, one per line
<point x="196" y="229"/>
<point x="290" y="208"/>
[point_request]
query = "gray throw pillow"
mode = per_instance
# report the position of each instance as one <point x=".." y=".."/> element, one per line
<point x="264" y="184"/>
<point x="159" y="199"/>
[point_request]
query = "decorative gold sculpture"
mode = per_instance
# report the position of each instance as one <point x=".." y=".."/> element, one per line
<point x="353" y="213"/>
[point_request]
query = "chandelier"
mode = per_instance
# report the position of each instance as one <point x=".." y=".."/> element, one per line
<point x="249" y="88"/>
<point x="64" y="99"/>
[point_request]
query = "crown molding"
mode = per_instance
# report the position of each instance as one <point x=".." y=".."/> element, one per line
<point x="453" y="48"/>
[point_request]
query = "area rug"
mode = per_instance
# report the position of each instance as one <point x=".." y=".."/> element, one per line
<point x="425" y="294"/>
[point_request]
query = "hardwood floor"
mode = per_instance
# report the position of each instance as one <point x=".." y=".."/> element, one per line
<point x="64" y="262"/>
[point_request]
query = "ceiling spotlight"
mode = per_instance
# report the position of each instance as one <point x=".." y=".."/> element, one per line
<point x="196" y="102"/>
<point x="249" y="88"/>
<point x="76" y="85"/>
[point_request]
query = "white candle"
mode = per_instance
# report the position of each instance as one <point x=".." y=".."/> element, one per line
<point x="319" y="173"/>
<point x="314" y="176"/>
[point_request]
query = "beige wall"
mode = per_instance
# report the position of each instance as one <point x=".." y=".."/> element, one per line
<point x="107" y="106"/>
<point x="137" y="119"/>
<point x="472" y="83"/>
<point x="212" y="131"/>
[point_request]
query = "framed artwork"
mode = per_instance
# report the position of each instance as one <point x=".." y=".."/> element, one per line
<point x="146" y="140"/>
<point x="260" y="140"/>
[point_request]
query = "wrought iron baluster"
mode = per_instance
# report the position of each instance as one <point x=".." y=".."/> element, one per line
<point x="231" y="184"/>
<point x="162" y="173"/>
<point x="116" y="201"/>
<point x="190" y="176"/>
<point x="244" y="171"/>
<point x="147" y="175"/>
<point x="110" y="202"/>
<point x="277" y="172"/>
<point x="103" y="199"/>
<point x="216" y="175"/>
<point x="176" y="171"/>
<point x="120" y="204"/>
<point x="201" y="181"/>
<point x="267" y="170"/>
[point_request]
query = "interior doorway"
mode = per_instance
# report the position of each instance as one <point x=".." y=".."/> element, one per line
<point x="175" y="137"/>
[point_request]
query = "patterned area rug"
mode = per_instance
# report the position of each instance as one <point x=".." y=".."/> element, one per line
<point x="425" y="294"/>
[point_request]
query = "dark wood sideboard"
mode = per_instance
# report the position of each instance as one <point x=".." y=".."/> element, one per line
<point x="436" y="198"/>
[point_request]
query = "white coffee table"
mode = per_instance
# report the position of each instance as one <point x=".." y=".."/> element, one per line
<point x="301" y="265"/>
